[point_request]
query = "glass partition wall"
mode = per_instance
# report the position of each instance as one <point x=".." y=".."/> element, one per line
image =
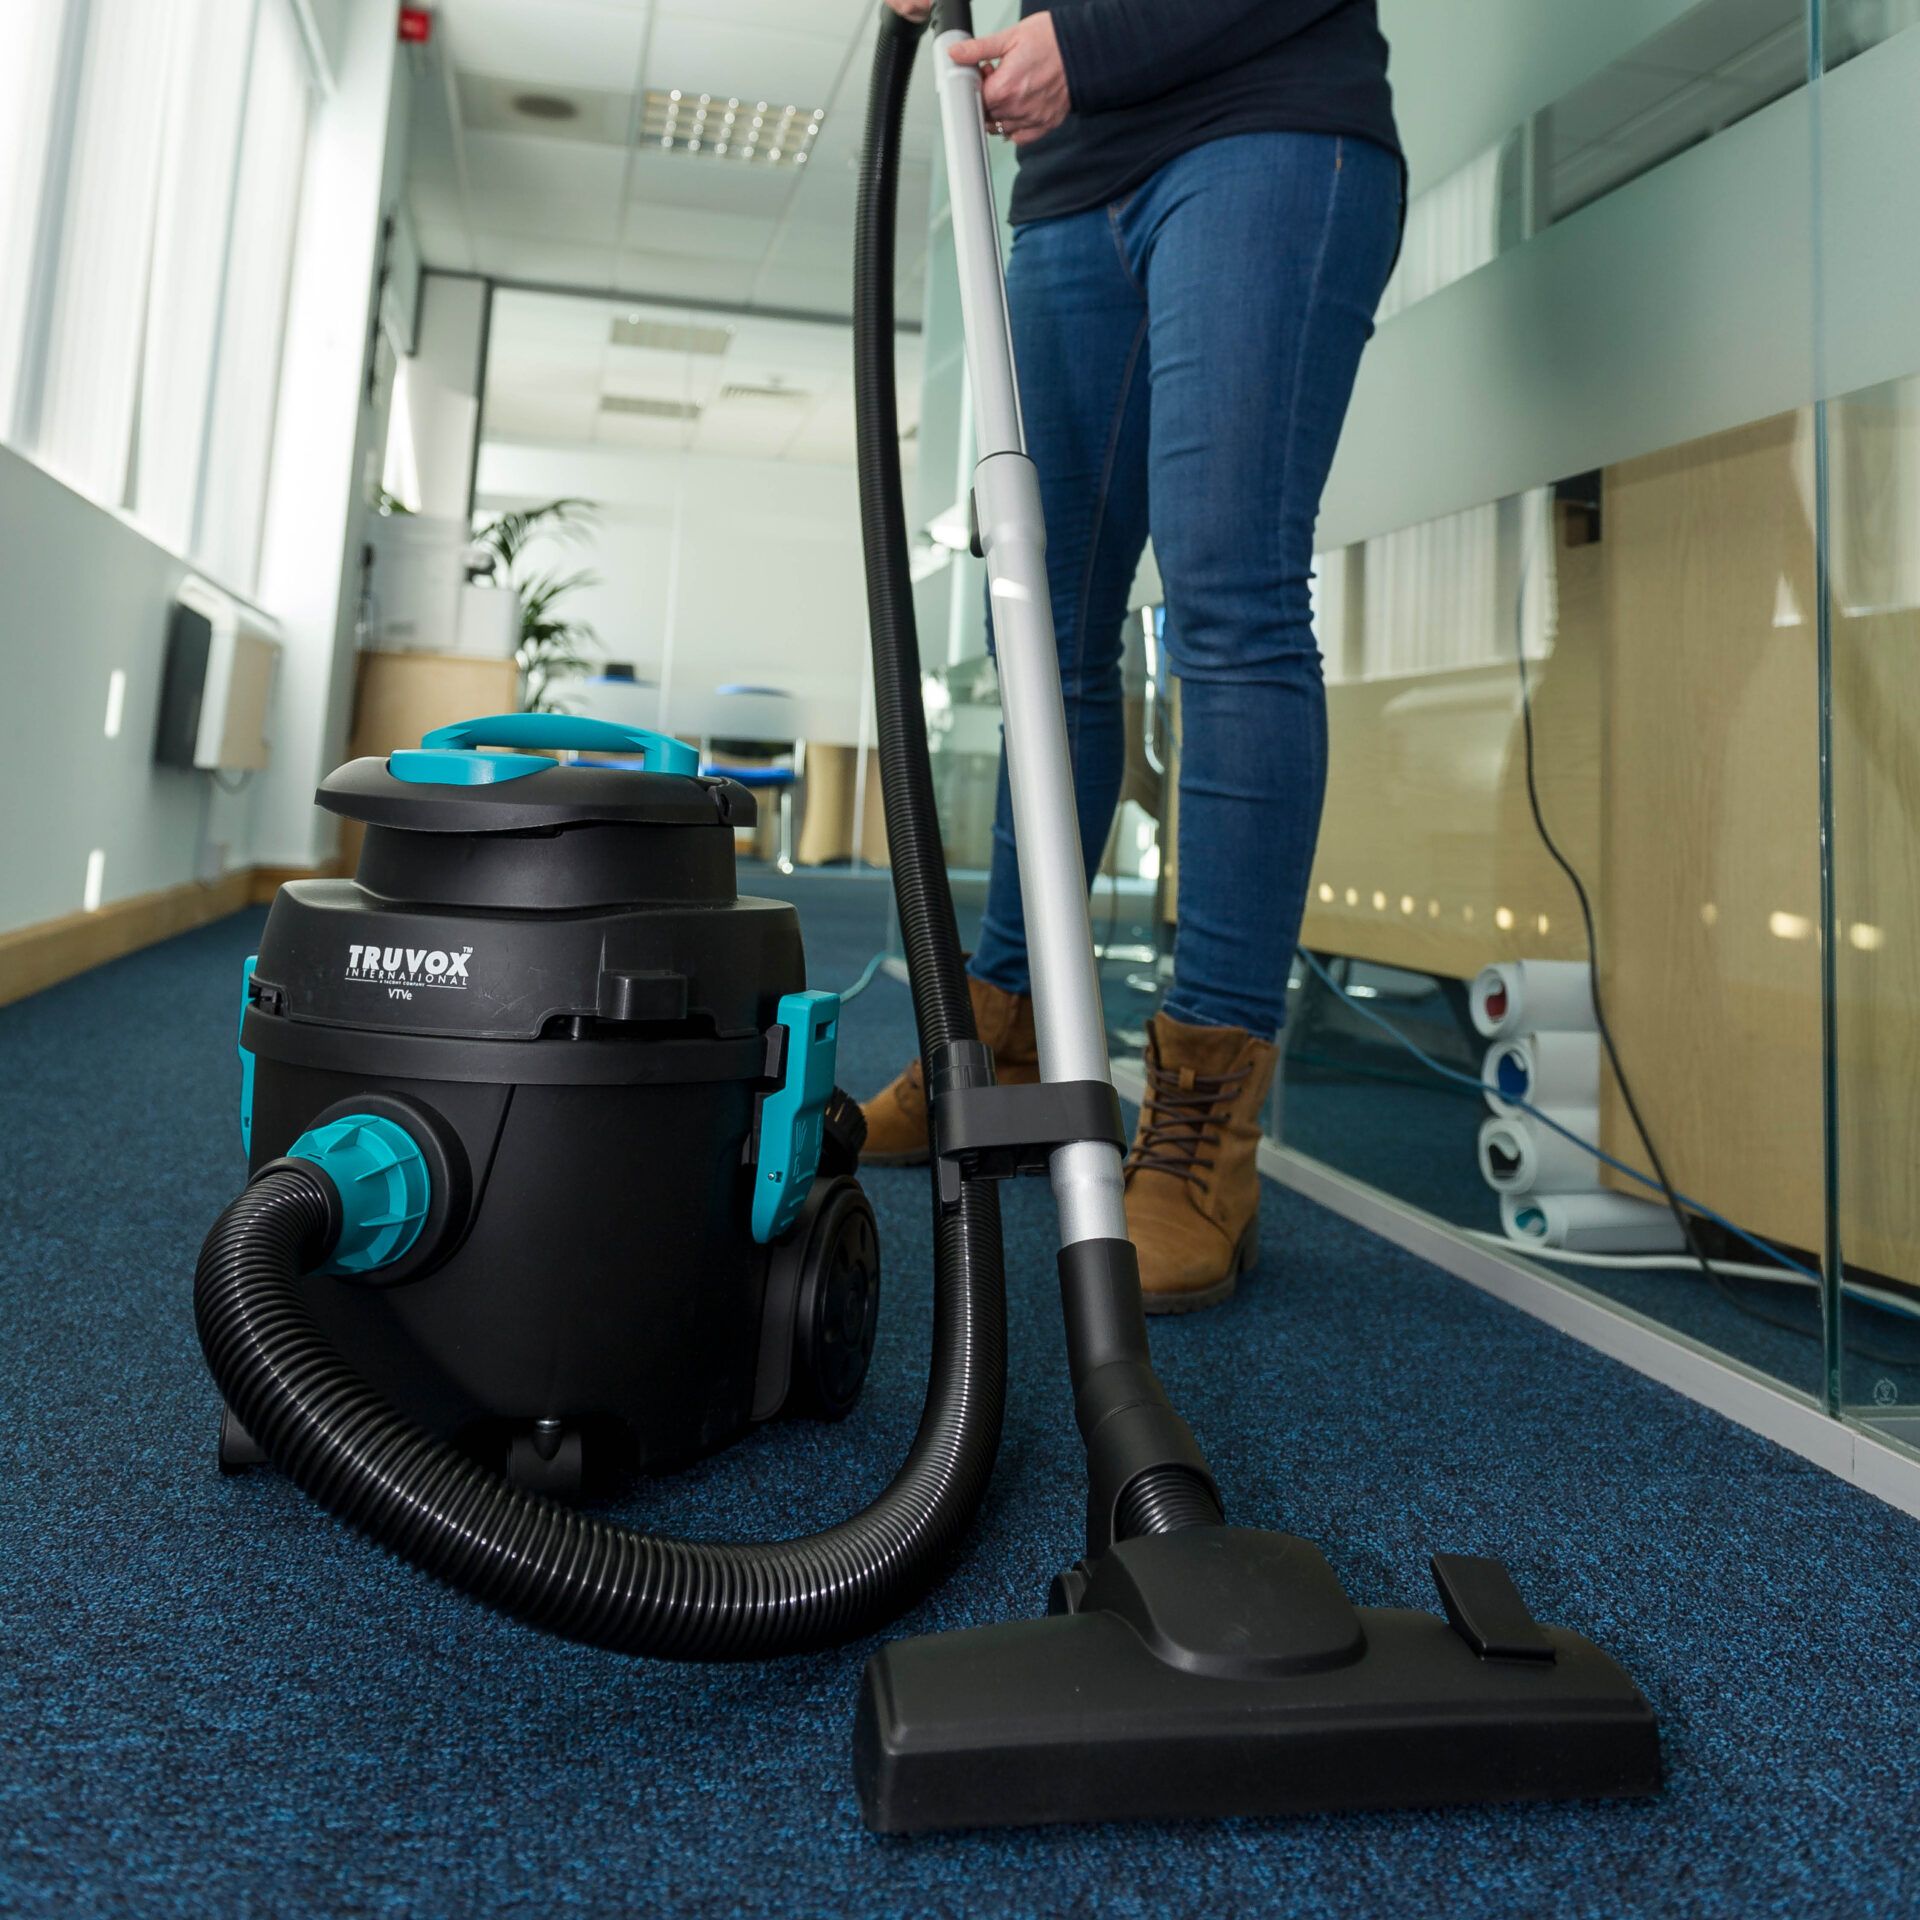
<point x="1618" y="599"/>
<point x="1867" y="319"/>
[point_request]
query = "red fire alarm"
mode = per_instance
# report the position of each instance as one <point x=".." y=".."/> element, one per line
<point x="416" y="26"/>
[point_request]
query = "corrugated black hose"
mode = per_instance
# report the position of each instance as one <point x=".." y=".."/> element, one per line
<point x="568" y="1572"/>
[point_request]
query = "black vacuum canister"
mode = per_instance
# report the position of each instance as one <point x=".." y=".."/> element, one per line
<point x="543" y="973"/>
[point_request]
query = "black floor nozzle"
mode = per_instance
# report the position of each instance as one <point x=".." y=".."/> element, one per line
<point x="1221" y="1671"/>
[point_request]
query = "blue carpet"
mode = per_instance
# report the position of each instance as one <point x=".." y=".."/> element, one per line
<point x="213" y="1700"/>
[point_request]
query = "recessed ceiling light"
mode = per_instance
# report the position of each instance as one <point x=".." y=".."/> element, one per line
<point x="667" y="336"/>
<point x="677" y="122"/>
<point x="545" y="106"/>
<point x="648" y="408"/>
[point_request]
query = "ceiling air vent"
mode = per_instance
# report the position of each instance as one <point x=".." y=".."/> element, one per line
<point x="778" y="396"/>
<point x="596" y="116"/>
<point x="668" y="336"/>
<point x="637" y="405"/>
<point x="545" y="106"/>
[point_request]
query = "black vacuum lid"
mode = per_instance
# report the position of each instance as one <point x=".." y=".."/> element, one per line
<point x="452" y="783"/>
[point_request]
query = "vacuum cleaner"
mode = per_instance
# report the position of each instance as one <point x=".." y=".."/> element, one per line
<point x="550" y="1184"/>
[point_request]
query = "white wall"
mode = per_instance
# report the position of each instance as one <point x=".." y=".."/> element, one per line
<point x="712" y="570"/>
<point x="86" y="595"/>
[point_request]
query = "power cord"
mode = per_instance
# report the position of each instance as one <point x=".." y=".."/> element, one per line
<point x="867" y="973"/>
<point x="1477" y="1088"/>
<point x="1789" y="1272"/>
<point x="1682" y="1219"/>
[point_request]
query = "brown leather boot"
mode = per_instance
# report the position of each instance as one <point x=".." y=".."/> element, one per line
<point x="897" y="1115"/>
<point x="1193" y="1186"/>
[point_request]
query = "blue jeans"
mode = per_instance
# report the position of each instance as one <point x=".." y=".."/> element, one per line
<point x="1186" y="358"/>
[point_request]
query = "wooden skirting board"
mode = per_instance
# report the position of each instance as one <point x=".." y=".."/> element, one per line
<point x="36" y="957"/>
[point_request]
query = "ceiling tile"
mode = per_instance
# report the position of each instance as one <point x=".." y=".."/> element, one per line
<point x="816" y="357"/>
<point x="691" y="230"/>
<point x="533" y="322"/>
<point x="690" y="180"/>
<point x="825" y="290"/>
<point x="526" y="163"/>
<point x="529" y="216"/>
<point x="639" y="372"/>
<point x="704" y="53"/>
<point x="578" y="116"/>
<point x="840" y="17"/>
<point x="517" y="257"/>
<point x="558" y="42"/>
<point x="637" y="430"/>
<point x="685" y="276"/>
<point x="690" y="227"/>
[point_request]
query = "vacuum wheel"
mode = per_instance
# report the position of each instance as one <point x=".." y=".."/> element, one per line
<point x="838" y="1307"/>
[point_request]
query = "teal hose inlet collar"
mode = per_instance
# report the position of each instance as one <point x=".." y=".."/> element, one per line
<point x="384" y="1188"/>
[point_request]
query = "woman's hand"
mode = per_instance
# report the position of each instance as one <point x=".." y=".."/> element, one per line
<point x="914" y="10"/>
<point x="1025" y="94"/>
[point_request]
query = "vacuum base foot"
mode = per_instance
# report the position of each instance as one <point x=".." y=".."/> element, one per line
<point x="1222" y="1671"/>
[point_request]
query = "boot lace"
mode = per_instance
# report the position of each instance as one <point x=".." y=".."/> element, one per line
<point x="1177" y="1122"/>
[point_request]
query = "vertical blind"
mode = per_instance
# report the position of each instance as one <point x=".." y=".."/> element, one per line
<point x="28" y="80"/>
<point x="149" y="193"/>
<point x="82" y="426"/>
<point x="205" y="84"/>
<point x="254" y="312"/>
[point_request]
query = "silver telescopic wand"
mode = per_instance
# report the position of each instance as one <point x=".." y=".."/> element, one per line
<point x="1012" y="536"/>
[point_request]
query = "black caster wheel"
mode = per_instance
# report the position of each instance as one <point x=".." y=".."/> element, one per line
<point x="547" y="1460"/>
<point x="838" y="1306"/>
<point x="238" y="1449"/>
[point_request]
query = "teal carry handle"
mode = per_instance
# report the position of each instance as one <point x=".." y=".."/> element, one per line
<point x="456" y="756"/>
<point x="568" y="733"/>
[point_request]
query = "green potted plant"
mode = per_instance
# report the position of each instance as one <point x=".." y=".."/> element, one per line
<point x="552" y="646"/>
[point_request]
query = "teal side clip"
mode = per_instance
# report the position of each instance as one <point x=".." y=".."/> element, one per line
<point x="384" y="1188"/>
<point x="246" y="1057"/>
<point x="791" y="1117"/>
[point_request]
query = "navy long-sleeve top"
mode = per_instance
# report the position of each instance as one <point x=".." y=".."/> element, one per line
<point x="1151" y="79"/>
